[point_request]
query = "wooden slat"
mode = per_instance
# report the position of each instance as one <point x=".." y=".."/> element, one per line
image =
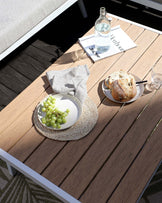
<point x="6" y="95"/>
<point x="150" y="57"/>
<point x="48" y="48"/>
<point x="140" y="172"/>
<point x="28" y="143"/>
<point x="13" y="80"/>
<point x="27" y="66"/>
<point x="101" y="188"/>
<point x="52" y="146"/>
<point x="43" y="57"/>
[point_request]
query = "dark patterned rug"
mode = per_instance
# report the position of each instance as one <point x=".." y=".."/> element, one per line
<point x="20" y="189"/>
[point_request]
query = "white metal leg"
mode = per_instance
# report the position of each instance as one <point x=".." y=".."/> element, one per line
<point x="12" y="171"/>
<point x="82" y="8"/>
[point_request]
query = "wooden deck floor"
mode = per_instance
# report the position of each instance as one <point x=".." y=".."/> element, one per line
<point x="28" y="62"/>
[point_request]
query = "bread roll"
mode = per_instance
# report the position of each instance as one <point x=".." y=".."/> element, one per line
<point x="122" y="85"/>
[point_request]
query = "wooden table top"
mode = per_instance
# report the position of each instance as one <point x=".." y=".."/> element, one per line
<point x="117" y="158"/>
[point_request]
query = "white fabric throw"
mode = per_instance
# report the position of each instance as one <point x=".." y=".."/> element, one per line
<point x="70" y="81"/>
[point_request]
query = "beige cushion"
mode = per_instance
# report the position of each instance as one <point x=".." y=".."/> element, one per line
<point x="158" y="1"/>
<point x="17" y="17"/>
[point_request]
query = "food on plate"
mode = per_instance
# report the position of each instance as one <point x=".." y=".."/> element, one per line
<point x="122" y="85"/>
<point x="53" y="116"/>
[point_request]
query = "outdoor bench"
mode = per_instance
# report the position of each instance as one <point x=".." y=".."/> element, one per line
<point x="154" y="4"/>
<point x="19" y="20"/>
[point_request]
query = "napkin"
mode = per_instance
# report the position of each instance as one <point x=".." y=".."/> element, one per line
<point x="70" y="81"/>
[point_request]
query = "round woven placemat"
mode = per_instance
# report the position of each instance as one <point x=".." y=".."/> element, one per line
<point x="80" y="129"/>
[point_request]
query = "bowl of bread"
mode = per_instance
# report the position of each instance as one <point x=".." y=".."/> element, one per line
<point x="121" y="87"/>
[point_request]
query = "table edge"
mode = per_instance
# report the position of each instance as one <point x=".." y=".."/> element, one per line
<point x="134" y="23"/>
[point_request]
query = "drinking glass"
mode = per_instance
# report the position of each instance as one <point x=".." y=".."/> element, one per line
<point x="156" y="77"/>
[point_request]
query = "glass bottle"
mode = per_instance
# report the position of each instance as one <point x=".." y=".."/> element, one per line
<point x="102" y="29"/>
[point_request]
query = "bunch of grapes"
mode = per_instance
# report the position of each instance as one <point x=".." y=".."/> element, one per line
<point x="53" y="116"/>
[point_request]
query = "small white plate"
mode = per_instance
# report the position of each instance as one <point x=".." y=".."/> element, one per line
<point x="63" y="102"/>
<point x="140" y="89"/>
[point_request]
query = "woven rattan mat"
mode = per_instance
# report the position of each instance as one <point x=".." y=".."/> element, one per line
<point x="80" y="129"/>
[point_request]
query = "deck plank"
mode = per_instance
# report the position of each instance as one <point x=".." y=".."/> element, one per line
<point x="6" y="95"/>
<point x="13" y="79"/>
<point x="48" y="48"/>
<point x="44" y="58"/>
<point x="27" y="66"/>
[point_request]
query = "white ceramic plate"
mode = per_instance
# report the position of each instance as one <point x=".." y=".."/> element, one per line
<point x="63" y="102"/>
<point x="140" y="89"/>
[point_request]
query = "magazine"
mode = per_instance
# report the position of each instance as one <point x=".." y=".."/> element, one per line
<point x="119" y="42"/>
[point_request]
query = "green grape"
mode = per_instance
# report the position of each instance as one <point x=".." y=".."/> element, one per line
<point x="44" y="120"/>
<point x="65" y="114"/>
<point x="67" y="110"/>
<point x="50" y="108"/>
<point x="56" y="110"/>
<point x="53" y="116"/>
<point x="58" y="126"/>
<point x="48" y="113"/>
<point x="44" y="109"/>
<point x="52" y="122"/>
<point x="54" y="125"/>
<point x="53" y="101"/>
<point x="59" y="120"/>
<point x="63" y="120"/>
<point x="45" y="104"/>
<point x="48" y="124"/>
